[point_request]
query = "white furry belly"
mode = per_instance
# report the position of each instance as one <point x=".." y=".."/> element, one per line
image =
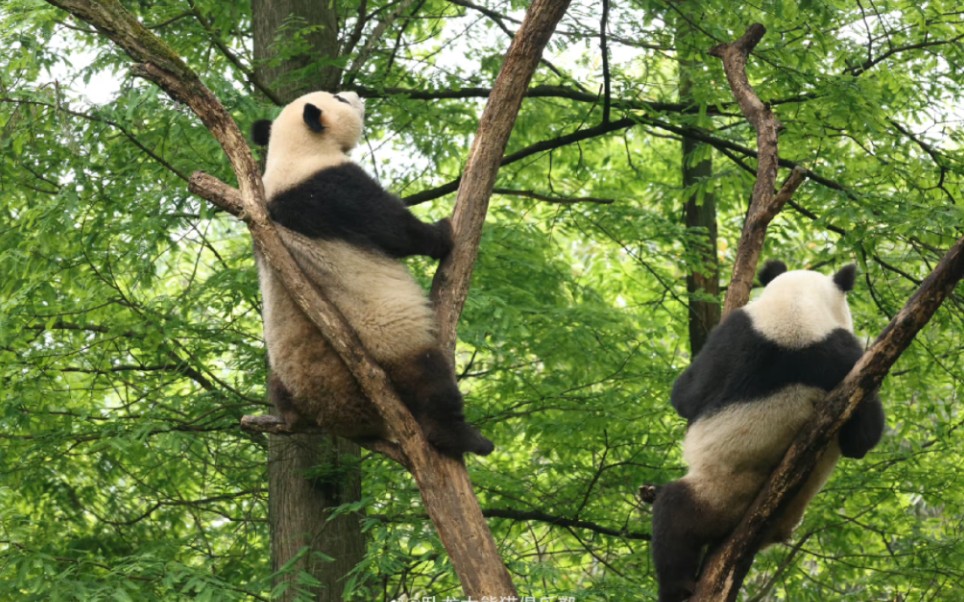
<point x="732" y="452"/>
<point x="376" y="294"/>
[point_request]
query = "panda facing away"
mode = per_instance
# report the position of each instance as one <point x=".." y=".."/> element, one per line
<point x="347" y="234"/>
<point x="745" y="397"/>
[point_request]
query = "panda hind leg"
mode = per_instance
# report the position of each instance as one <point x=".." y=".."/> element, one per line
<point x="283" y="401"/>
<point x="426" y="384"/>
<point x="682" y="528"/>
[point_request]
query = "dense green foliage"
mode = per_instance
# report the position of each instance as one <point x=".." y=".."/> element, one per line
<point x="130" y="340"/>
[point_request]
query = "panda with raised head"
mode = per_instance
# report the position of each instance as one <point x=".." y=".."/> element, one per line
<point x="745" y="397"/>
<point x="347" y="235"/>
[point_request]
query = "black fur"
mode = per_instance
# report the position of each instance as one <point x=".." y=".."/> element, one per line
<point x="771" y="270"/>
<point x="312" y="117"/>
<point x="261" y="132"/>
<point x="678" y="544"/>
<point x="345" y="203"/>
<point x="427" y="386"/>
<point x="738" y="365"/>
<point x="863" y="429"/>
<point x="846" y="277"/>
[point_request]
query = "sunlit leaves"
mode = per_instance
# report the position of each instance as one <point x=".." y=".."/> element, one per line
<point x="130" y="336"/>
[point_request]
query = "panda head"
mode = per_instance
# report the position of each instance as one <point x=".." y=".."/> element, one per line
<point x="800" y="307"/>
<point x="311" y="133"/>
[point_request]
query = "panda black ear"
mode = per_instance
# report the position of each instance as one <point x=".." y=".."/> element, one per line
<point x="771" y="270"/>
<point x="312" y="117"/>
<point x="845" y="278"/>
<point x="261" y="131"/>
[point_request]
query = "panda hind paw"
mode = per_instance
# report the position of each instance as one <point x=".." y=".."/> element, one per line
<point x="458" y="439"/>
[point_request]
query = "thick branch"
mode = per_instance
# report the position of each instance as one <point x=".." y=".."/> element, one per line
<point x="217" y="192"/>
<point x="763" y="204"/>
<point x="451" y="285"/>
<point x="724" y="571"/>
<point x="274" y="425"/>
<point x="443" y="482"/>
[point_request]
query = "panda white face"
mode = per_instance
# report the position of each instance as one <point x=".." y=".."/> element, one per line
<point x="311" y="133"/>
<point x="801" y="307"/>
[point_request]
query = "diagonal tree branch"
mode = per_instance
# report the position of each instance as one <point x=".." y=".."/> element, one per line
<point x="532" y="149"/>
<point x="451" y="285"/>
<point x="725" y="570"/>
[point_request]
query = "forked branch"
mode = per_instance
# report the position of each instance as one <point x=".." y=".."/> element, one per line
<point x="764" y="204"/>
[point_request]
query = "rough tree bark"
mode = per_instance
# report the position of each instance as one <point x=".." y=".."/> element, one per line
<point x="443" y="482"/>
<point x="308" y="474"/>
<point x="273" y="23"/>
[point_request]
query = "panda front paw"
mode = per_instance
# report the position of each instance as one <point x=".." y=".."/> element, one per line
<point x="444" y="245"/>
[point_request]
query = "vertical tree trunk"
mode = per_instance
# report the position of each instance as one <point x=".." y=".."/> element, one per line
<point x="274" y="22"/>
<point x="308" y="475"/>
<point x="703" y="283"/>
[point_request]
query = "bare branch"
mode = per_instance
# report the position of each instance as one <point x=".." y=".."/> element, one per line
<point x="214" y="190"/>
<point x="557" y="200"/>
<point x="532" y="149"/>
<point x="764" y="205"/>
<point x="451" y="285"/>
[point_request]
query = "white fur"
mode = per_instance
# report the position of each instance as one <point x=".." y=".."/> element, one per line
<point x="378" y="297"/>
<point x="798" y="308"/>
<point x="295" y="152"/>
<point x="731" y="454"/>
<point x="375" y="293"/>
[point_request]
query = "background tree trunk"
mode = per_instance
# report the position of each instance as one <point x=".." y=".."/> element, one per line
<point x="308" y="475"/>
<point x="704" y="281"/>
<point x="699" y="213"/>
<point x="273" y="22"/>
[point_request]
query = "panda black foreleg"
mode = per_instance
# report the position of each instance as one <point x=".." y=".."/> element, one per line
<point x="682" y="528"/>
<point x="427" y="385"/>
<point x="863" y="429"/>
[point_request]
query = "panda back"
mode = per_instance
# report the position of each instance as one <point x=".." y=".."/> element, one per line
<point x="752" y="436"/>
<point x="740" y="364"/>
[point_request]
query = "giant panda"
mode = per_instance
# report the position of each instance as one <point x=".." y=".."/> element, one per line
<point x="347" y="235"/>
<point x="745" y="397"/>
